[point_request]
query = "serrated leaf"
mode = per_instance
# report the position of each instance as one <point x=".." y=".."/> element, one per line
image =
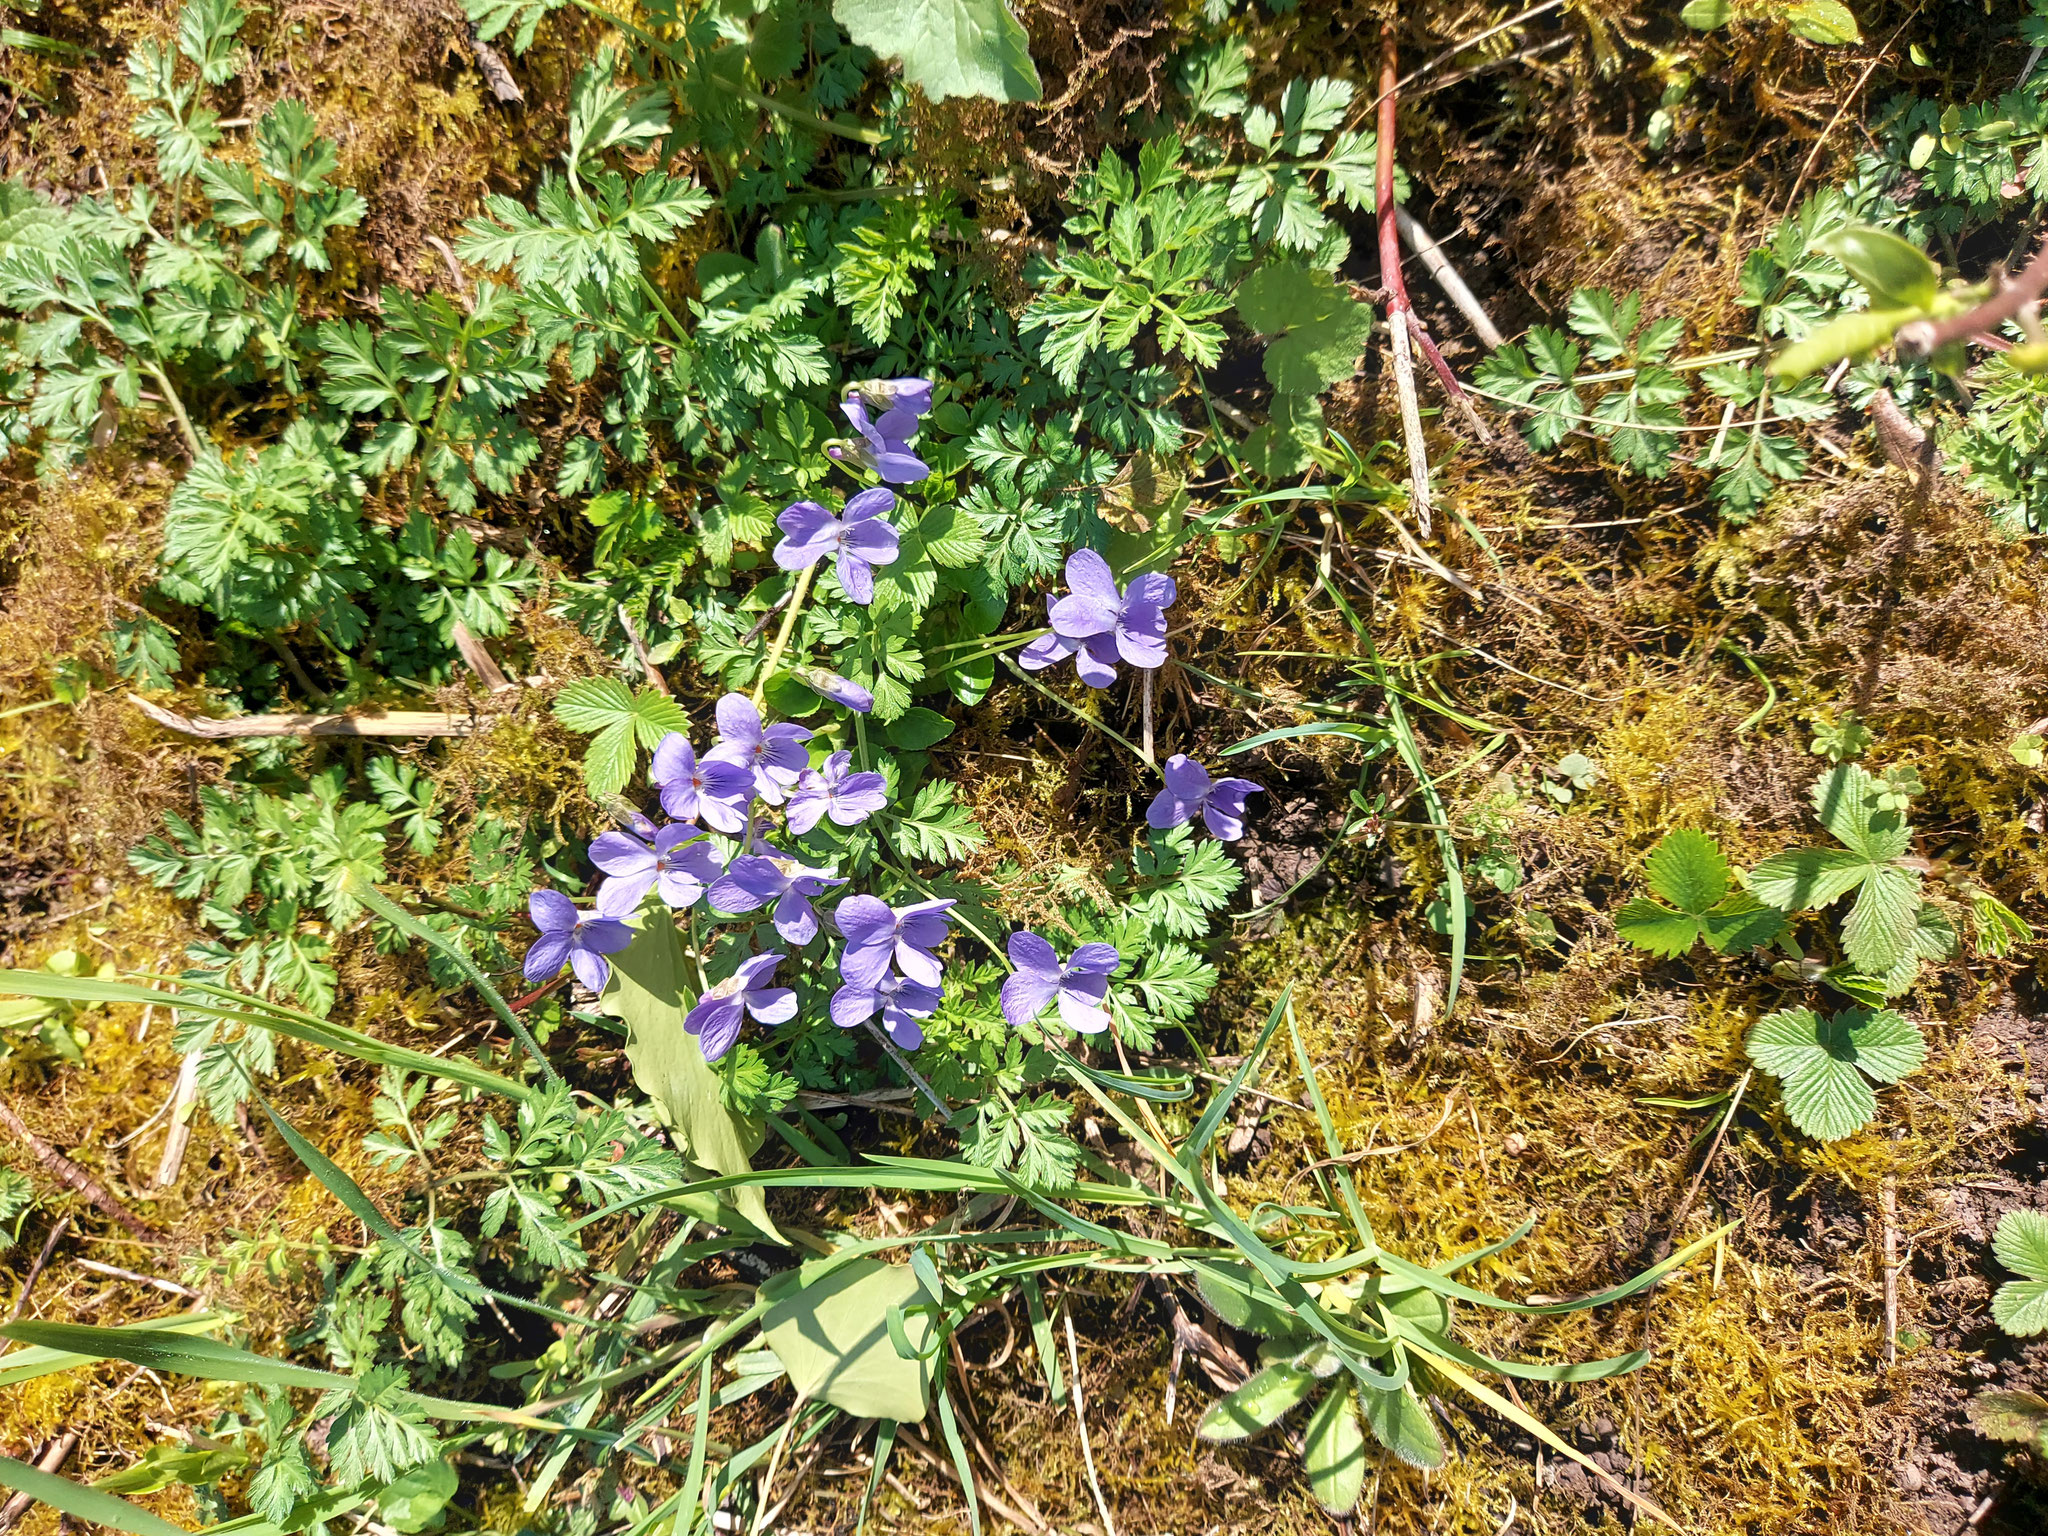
<point x="623" y="721"/>
<point x="2008" y="1415"/>
<point x="947" y="47"/>
<point x="1268" y="1397"/>
<point x="1845" y="801"/>
<point x="1739" y="922"/>
<point x="1402" y="1425"/>
<point x="2020" y="1307"/>
<point x="1316" y="330"/>
<point x="1653" y="926"/>
<point x="1333" y="1452"/>
<point x="1688" y="870"/>
<point x="1820" y="1064"/>
<point x="1878" y="932"/>
<point x="2021" y="1243"/>
<point x="1802" y="879"/>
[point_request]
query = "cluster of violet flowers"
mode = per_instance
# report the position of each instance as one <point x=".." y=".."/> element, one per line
<point x="888" y="964"/>
<point x="750" y="765"/>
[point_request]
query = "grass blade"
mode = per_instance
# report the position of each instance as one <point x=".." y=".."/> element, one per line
<point x="182" y="1353"/>
<point x="91" y="1505"/>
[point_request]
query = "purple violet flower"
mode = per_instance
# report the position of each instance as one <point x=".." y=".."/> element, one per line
<point x="858" y="538"/>
<point x="756" y="880"/>
<point x="709" y="790"/>
<point x="902" y="1003"/>
<point x="1135" y="618"/>
<point x="1094" y="658"/>
<point x="884" y="412"/>
<point x="848" y="798"/>
<point x="717" y="1018"/>
<point x="1080" y="983"/>
<point x="583" y="939"/>
<point x="678" y="864"/>
<point x="1189" y="790"/>
<point x="840" y="690"/>
<point x="774" y="754"/>
<point x="876" y="933"/>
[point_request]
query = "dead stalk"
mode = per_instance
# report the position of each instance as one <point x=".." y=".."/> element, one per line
<point x="1398" y="307"/>
<point x="1081" y="1418"/>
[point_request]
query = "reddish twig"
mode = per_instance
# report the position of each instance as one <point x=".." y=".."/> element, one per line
<point x="74" y="1177"/>
<point x="1398" y="307"/>
<point x="1922" y="338"/>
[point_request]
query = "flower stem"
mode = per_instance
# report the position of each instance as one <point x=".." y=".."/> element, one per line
<point x="1086" y="719"/>
<point x="796" y="603"/>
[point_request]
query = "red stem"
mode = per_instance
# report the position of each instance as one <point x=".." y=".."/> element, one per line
<point x="1383" y="174"/>
<point x="1920" y="338"/>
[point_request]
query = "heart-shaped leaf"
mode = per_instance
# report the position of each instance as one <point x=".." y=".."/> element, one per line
<point x="832" y="1335"/>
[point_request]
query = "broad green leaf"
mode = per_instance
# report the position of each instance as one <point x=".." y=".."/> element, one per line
<point x="1820" y="1064"/>
<point x="91" y="1505"/>
<point x="411" y="1503"/>
<point x="1878" y="932"/>
<point x="1688" y="870"/>
<point x="1316" y="330"/>
<point x="181" y="1353"/>
<point x="1802" y="879"/>
<point x="832" y="1335"/>
<point x="1653" y="926"/>
<point x="1897" y="273"/>
<point x="1823" y="21"/>
<point x="1333" y="1452"/>
<point x="2021" y="1243"/>
<point x="1707" y="15"/>
<point x="1851" y="335"/>
<point x="2005" y="1415"/>
<point x="1268" y="1397"/>
<point x="947" y="47"/>
<point x="648" y="994"/>
<point x="1739" y="923"/>
<point x="1249" y="1305"/>
<point x="917" y="728"/>
<point x="1402" y="1424"/>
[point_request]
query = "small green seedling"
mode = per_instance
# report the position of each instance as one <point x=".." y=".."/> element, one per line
<point x="1688" y="870"/>
<point x="1576" y="770"/>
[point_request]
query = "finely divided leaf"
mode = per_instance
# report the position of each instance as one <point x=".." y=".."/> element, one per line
<point x="1317" y="330"/>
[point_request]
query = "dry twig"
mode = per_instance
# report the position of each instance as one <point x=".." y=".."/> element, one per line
<point x="401" y="722"/>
